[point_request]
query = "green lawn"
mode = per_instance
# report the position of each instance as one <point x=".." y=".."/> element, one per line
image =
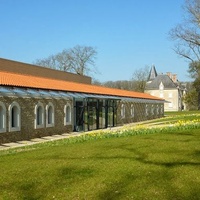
<point x="172" y="117"/>
<point x="154" y="166"/>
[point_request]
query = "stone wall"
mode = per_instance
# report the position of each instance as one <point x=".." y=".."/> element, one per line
<point x="140" y="112"/>
<point x="28" y="131"/>
<point x="133" y="112"/>
<point x="172" y="97"/>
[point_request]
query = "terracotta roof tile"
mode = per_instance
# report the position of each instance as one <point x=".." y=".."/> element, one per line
<point x="19" y="80"/>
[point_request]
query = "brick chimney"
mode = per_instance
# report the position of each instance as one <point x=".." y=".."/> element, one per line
<point x="169" y="74"/>
<point x="174" y="78"/>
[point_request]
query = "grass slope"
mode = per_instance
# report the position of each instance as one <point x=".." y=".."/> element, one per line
<point x="159" y="166"/>
<point x="155" y="166"/>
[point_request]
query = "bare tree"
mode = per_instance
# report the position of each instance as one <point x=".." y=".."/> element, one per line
<point x="187" y="34"/>
<point x="62" y="59"/>
<point x="96" y="82"/>
<point x="79" y="59"/>
<point x="137" y="83"/>
<point x="120" y="84"/>
<point x="187" y="40"/>
<point x="49" y="62"/>
<point x="140" y="77"/>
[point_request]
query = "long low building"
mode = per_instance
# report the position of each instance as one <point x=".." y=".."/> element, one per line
<point x="37" y="102"/>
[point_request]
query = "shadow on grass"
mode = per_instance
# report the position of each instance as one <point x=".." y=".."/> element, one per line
<point x="72" y="173"/>
<point x="26" y="190"/>
<point x="116" y="190"/>
<point x="157" y="186"/>
<point x="167" y="189"/>
<point x="29" y="191"/>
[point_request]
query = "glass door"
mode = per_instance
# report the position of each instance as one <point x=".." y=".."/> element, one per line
<point x="79" y="111"/>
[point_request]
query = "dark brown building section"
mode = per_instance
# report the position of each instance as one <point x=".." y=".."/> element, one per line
<point x="33" y="70"/>
<point x="27" y="132"/>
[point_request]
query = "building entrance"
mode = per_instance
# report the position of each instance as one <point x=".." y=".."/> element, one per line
<point x="93" y="114"/>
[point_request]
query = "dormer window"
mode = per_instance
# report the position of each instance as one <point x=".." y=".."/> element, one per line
<point x="161" y="86"/>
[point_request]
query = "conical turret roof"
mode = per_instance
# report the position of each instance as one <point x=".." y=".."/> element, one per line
<point x="153" y="73"/>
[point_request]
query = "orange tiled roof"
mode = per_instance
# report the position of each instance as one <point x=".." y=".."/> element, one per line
<point x="20" y="80"/>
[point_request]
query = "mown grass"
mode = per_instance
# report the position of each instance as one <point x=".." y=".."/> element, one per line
<point x="154" y="166"/>
<point x="173" y="117"/>
<point x="179" y="113"/>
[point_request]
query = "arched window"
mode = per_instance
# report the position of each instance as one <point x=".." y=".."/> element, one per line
<point x="14" y="117"/>
<point x="161" y="109"/>
<point x="123" y="111"/>
<point x="49" y="115"/>
<point x="39" y="116"/>
<point x="157" y="109"/>
<point x="152" y="109"/>
<point x="132" y="110"/>
<point x="2" y="118"/>
<point x="147" y="110"/>
<point x="67" y="114"/>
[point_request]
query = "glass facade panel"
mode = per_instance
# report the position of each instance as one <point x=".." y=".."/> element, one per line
<point x="102" y="114"/>
<point x="79" y="115"/>
<point x="93" y="114"/>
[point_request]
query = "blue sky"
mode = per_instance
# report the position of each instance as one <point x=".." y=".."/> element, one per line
<point x="127" y="34"/>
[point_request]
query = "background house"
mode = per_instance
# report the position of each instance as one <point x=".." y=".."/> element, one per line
<point x="168" y="87"/>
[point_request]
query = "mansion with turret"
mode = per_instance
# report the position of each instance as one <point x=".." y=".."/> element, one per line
<point x="168" y="87"/>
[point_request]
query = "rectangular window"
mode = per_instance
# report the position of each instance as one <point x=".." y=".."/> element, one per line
<point x="170" y="105"/>
<point x="170" y="95"/>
